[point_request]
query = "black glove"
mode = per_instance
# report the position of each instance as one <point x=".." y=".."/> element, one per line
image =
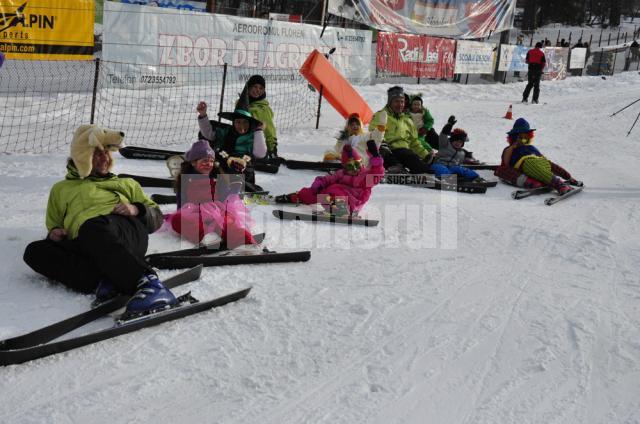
<point x="384" y="149"/>
<point x="452" y="120"/>
<point x="373" y="149"/>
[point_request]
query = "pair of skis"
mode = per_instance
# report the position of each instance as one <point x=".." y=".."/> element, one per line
<point x="39" y="343"/>
<point x="219" y="255"/>
<point x="134" y="152"/>
<point x="248" y="197"/>
<point x="524" y="193"/>
<point x="432" y="182"/>
<point x="332" y="166"/>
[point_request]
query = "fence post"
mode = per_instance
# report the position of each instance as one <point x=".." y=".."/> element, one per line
<point x="224" y="82"/>
<point x="609" y="40"/>
<point x="618" y="37"/>
<point x="558" y="38"/>
<point x="600" y="40"/>
<point x="625" y="36"/>
<point x="319" y="105"/>
<point x="96" y="76"/>
<point x="613" y="67"/>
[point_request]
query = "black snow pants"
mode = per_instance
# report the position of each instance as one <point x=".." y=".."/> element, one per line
<point x="107" y="246"/>
<point x="406" y="158"/>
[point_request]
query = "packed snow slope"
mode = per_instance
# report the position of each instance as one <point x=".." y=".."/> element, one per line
<point x="457" y="308"/>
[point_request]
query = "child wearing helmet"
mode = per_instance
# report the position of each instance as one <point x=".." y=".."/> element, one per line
<point x="347" y="190"/>
<point x="523" y="164"/>
<point x="451" y="154"/>
<point x="209" y="209"/>
<point x="354" y="135"/>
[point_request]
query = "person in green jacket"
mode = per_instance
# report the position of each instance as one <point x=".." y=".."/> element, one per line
<point x="260" y="110"/>
<point x="423" y="121"/>
<point x="238" y="144"/>
<point x="98" y="228"/>
<point x="401" y="147"/>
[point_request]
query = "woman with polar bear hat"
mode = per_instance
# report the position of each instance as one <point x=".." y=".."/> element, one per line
<point x="98" y="228"/>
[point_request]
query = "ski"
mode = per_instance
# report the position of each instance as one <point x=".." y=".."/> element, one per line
<point x="481" y="166"/>
<point x="200" y="250"/>
<point x="310" y="165"/>
<point x="167" y="199"/>
<point x="324" y="217"/>
<point x="431" y="182"/>
<point x="555" y="199"/>
<point x="526" y="192"/>
<point x="18" y="356"/>
<point x="133" y="152"/>
<point x="149" y="181"/>
<point x="53" y="331"/>
<point x="229" y="257"/>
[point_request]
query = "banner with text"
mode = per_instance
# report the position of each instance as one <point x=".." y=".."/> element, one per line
<point x="176" y="38"/>
<point x="578" y="58"/>
<point x="415" y="55"/>
<point x="557" y="63"/>
<point x="194" y="5"/>
<point x="475" y="57"/>
<point x="47" y="29"/>
<point x="446" y="18"/>
<point x="512" y="58"/>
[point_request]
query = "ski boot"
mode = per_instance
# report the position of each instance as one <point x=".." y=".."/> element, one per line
<point x="151" y="296"/>
<point x="339" y="207"/>
<point x="562" y="187"/>
<point x="104" y="292"/>
<point x="287" y="198"/>
<point x="574" y="182"/>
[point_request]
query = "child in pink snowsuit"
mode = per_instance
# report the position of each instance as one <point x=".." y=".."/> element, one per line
<point x="207" y="208"/>
<point x="349" y="187"/>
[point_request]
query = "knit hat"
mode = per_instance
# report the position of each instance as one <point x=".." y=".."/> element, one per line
<point x="520" y="126"/>
<point x="459" y="135"/>
<point x="199" y="150"/>
<point x="349" y="154"/>
<point x="354" y="117"/>
<point x="86" y="139"/>
<point x="256" y="79"/>
<point x="393" y="92"/>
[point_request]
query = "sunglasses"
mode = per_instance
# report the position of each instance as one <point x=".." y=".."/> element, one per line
<point x="353" y="165"/>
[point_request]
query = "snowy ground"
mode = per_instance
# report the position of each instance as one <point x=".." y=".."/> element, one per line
<point x="458" y="308"/>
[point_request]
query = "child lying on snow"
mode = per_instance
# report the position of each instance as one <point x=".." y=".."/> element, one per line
<point x="524" y="166"/>
<point x="346" y="191"/>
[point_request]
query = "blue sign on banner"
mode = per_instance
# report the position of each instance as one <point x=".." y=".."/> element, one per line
<point x="194" y="5"/>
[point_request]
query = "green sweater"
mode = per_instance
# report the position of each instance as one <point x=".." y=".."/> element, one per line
<point x="401" y="132"/>
<point x="261" y="110"/>
<point x="74" y="200"/>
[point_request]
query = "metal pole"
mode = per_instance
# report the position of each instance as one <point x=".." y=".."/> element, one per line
<point x="224" y="81"/>
<point x="618" y="37"/>
<point x="324" y="10"/>
<point x="319" y="105"/>
<point x="600" y="40"/>
<point x="634" y="124"/>
<point x="630" y="104"/>
<point x="211" y="6"/>
<point x="96" y="76"/>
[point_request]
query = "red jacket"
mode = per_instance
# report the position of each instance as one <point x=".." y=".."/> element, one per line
<point x="536" y="60"/>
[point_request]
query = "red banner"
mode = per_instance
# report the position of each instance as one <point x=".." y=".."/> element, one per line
<point x="415" y="55"/>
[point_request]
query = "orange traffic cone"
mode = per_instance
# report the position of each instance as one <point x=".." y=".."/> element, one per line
<point x="509" y="114"/>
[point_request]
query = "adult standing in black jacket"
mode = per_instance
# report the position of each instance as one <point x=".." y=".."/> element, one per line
<point x="536" y="61"/>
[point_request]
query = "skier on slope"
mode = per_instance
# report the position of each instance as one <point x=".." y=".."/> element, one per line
<point x="209" y="210"/>
<point x="523" y="165"/>
<point x="348" y="190"/>
<point x="354" y="135"/>
<point x="99" y="228"/>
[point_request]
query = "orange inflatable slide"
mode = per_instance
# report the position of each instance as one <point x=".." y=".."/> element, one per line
<point x="335" y="88"/>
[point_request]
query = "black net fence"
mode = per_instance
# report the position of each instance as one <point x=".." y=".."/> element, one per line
<point x="43" y="102"/>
